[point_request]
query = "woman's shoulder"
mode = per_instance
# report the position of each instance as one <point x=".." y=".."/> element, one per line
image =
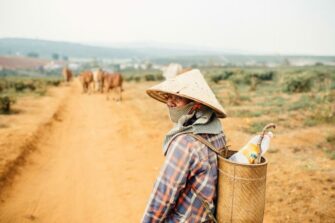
<point x="184" y="139"/>
<point x="188" y="138"/>
<point x="188" y="142"/>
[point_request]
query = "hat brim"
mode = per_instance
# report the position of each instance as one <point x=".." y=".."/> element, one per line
<point x="161" y="96"/>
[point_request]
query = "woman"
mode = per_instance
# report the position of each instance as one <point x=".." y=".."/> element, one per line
<point x="185" y="190"/>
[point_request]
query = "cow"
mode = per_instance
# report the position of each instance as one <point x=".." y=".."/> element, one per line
<point x="113" y="81"/>
<point x="86" y="78"/>
<point x="67" y="74"/>
<point x="172" y="70"/>
<point x="98" y="80"/>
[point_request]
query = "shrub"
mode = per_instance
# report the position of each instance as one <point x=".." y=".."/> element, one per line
<point x="19" y="86"/>
<point x="149" y="77"/>
<point x="5" y="103"/>
<point x="321" y="115"/>
<point x="53" y="82"/>
<point x="298" y="83"/>
<point x="332" y="86"/>
<point x="129" y="78"/>
<point x="159" y="77"/>
<point x="216" y="78"/>
<point x="137" y="78"/>
<point x="30" y="85"/>
<point x="227" y="74"/>
<point x="253" y="79"/>
<point x="222" y="76"/>
<point x="303" y="102"/>
<point x="239" y="79"/>
<point x="331" y="139"/>
<point x="266" y="76"/>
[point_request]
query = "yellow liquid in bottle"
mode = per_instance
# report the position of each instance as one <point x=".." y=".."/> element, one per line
<point x="251" y="153"/>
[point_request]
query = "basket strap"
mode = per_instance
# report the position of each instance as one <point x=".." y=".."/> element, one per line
<point x="203" y="201"/>
<point x="204" y="141"/>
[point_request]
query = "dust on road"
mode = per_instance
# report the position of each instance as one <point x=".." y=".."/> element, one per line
<point x="92" y="166"/>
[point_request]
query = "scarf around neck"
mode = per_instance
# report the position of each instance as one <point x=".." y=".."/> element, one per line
<point x="198" y="122"/>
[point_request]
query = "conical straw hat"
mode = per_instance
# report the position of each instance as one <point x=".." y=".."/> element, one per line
<point x="191" y="85"/>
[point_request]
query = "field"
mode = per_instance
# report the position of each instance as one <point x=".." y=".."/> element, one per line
<point x="72" y="157"/>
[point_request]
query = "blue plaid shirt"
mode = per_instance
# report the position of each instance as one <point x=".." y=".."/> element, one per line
<point x="189" y="167"/>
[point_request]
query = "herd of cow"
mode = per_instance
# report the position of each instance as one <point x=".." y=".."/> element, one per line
<point x="97" y="81"/>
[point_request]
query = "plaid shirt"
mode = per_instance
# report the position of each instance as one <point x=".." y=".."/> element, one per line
<point x="189" y="164"/>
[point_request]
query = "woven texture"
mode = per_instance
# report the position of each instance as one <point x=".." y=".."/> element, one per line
<point x="241" y="192"/>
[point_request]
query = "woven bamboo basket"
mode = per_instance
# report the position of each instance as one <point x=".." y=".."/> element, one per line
<point x="241" y="192"/>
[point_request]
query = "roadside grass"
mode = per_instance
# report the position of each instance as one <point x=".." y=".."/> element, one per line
<point x="295" y="97"/>
<point x="14" y="87"/>
<point x="328" y="146"/>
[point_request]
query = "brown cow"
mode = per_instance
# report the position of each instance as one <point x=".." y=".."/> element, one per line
<point x="67" y="74"/>
<point x="113" y="81"/>
<point x="86" y="78"/>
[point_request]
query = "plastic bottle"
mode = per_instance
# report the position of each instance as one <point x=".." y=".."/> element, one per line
<point x="249" y="153"/>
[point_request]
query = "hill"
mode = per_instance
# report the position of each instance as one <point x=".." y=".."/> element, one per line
<point x="46" y="48"/>
<point x="156" y="52"/>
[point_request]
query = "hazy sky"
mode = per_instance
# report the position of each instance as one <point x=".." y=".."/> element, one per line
<point x="261" y="26"/>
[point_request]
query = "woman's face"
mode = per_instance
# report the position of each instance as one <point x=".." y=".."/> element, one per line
<point x="175" y="101"/>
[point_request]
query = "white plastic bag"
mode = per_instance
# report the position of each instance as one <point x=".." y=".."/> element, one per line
<point x="249" y="153"/>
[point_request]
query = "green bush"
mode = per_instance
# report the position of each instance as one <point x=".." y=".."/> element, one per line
<point x="240" y="79"/>
<point x="53" y="82"/>
<point x="5" y="103"/>
<point x="266" y="76"/>
<point x="23" y="84"/>
<point x="129" y="78"/>
<point x="222" y="76"/>
<point x="303" y="103"/>
<point x="332" y="86"/>
<point x="298" y="83"/>
<point x="149" y="77"/>
<point x="331" y="139"/>
<point x="216" y="78"/>
<point x="159" y="77"/>
<point x="19" y="86"/>
<point x="31" y="86"/>
<point x="137" y="78"/>
<point x="227" y="74"/>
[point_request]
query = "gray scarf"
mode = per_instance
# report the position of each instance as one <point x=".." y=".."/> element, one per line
<point x="205" y="121"/>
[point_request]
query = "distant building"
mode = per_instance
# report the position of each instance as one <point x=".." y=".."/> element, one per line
<point x="52" y="65"/>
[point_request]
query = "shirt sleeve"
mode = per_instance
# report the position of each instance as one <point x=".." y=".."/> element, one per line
<point x="171" y="180"/>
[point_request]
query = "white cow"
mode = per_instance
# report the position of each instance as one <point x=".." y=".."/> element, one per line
<point x="98" y="80"/>
<point x="172" y="70"/>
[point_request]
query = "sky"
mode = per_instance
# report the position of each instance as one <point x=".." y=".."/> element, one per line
<point x="256" y="26"/>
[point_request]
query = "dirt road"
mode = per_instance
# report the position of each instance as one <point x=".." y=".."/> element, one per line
<point x="91" y="165"/>
<point x="97" y="160"/>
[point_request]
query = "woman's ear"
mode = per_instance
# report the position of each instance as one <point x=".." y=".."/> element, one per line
<point x="195" y="107"/>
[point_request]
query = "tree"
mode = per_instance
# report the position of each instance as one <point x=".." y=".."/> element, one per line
<point x="55" y="56"/>
<point x="32" y="54"/>
<point x="66" y="58"/>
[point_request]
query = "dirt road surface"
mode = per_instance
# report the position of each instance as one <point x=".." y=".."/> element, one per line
<point x="97" y="160"/>
<point x="91" y="167"/>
